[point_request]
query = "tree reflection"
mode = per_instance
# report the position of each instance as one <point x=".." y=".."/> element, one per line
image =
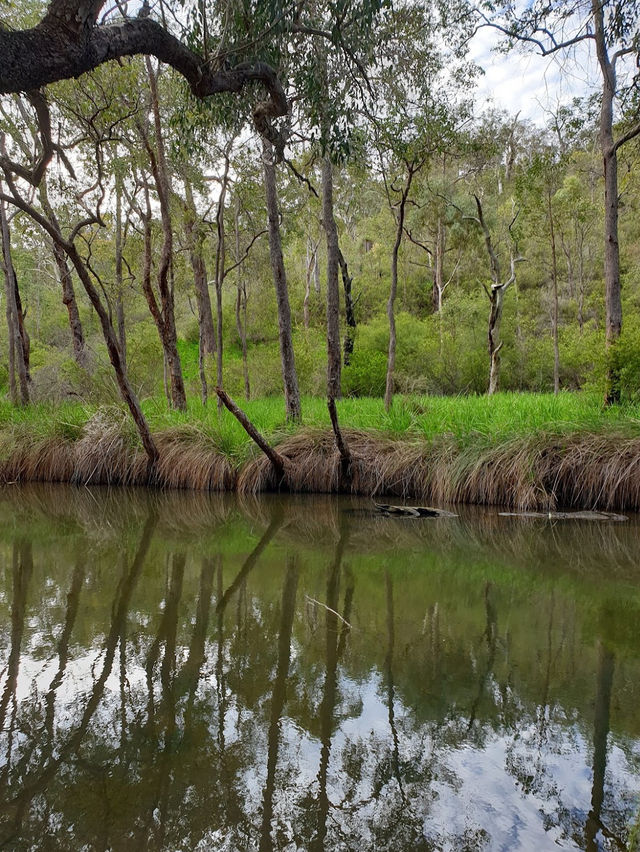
<point x="33" y="783"/>
<point x="188" y="707"/>
<point x="278" y="699"/>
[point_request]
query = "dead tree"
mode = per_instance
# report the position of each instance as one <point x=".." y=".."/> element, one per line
<point x="495" y="294"/>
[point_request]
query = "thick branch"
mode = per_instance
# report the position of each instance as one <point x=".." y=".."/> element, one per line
<point x="54" y="51"/>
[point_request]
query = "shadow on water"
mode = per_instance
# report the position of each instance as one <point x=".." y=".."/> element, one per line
<point x="186" y="669"/>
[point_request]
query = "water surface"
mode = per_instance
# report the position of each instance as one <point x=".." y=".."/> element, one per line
<point x="184" y="671"/>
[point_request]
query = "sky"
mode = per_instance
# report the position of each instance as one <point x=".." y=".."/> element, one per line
<point x="525" y="82"/>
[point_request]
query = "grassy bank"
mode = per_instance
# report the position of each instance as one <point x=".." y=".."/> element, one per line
<point x="519" y="450"/>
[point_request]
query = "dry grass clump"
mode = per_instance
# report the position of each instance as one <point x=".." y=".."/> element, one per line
<point x="379" y="465"/>
<point x="106" y="451"/>
<point x="539" y="471"/>
<point x="38" y="460"/>
<point x="190" y="458"/>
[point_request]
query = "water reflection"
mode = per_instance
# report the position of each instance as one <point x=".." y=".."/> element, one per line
<point x="184" y="671"/>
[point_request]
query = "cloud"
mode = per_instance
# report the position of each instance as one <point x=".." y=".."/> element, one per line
<point x="522" y="81"/>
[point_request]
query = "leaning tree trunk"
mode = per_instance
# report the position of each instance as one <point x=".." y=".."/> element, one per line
<point x="113" y="348"/>
<point x="66" y="282"/>
<point x="334" y="362"/>
<point x="287" y="358"/>
<point x="17" y="339"/>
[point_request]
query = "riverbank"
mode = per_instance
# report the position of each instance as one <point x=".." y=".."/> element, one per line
<point x="524" y="451"/>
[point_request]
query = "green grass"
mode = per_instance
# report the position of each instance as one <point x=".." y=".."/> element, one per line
<point x="468" y="419"/>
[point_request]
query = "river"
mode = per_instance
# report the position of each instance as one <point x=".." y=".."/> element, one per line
<point x="184" y="671"/>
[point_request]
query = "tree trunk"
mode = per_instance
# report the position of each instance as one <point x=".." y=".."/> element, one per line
<point x="613" y="302"/>
<point x="160" y="175"/>
<point x="601" y="725"/>
<point x="195" y="243"/>
<point x="113" y="348"/>
<point x="554" y="281"/>
<point x="287" y="358"/>
<point x="122" y="333"/>
<point x="334" y="361"/>
<point x="391" y="357"/>
<point x="307" y="288"/>
<point x="495" y="317"/>
<point x="18" y="339"/>
<point x="349" y="310"/>
<point x="220" y="261"/>
<point x="241" y="306"/>
<point x="110" y="338"/>
<point x="438" y="266"/>
<point x="11" y="340"/>
<point x="66" y="282"/>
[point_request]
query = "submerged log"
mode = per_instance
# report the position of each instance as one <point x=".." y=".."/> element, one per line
<point x="413" y="511"/>
<point x="567" y="516"/>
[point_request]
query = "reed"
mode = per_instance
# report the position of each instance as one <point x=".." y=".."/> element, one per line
<point x="523" y="453"/>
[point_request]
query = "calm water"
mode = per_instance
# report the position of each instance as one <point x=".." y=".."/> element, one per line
<point x="187" y="672"/>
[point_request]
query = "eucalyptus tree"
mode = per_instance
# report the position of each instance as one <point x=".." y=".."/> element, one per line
<point x="73" y="37"/>
<point x="20" y="125"/>
<point x="612" y="29"/>
<point x="76" y="234"/>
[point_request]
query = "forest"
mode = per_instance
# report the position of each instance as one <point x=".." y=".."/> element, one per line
<point x="274" y="206"/>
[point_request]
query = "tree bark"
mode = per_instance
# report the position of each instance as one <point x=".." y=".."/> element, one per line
<point x="438" y="266"/>
<point x="113" y="348"/>
<point x="68" y="42"/>
<point x="287" y="358"/>
<point x="334" y="361"/>
<point x="108" y="331"/>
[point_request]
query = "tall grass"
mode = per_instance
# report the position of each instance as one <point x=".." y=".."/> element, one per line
<point x="520" y="450"/>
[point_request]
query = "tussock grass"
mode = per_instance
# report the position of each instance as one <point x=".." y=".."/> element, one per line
<point x="525" y="451"/>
